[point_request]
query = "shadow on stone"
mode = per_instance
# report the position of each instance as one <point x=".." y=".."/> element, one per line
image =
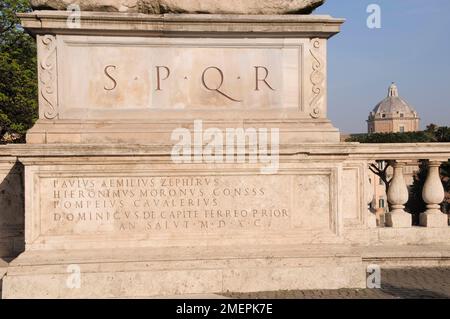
<point x="412" y="293"/>
<point x="12" y="213"/>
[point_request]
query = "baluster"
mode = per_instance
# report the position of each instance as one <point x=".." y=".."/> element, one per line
<point x="398" y="196"/>
<point x="433" y="194"/>
<point x="372" y="219"/>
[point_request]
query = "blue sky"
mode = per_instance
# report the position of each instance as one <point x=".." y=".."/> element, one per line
<point x="412" y="48"/>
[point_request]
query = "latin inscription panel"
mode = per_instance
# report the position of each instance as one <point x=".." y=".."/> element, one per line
<point x="178" y="74"/>
<point x="162" y="205"/>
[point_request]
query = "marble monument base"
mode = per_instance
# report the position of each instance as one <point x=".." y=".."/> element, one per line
<point x="134" y="79"/>
<point x="136" y="224"/>
<point x="158" y="272"/>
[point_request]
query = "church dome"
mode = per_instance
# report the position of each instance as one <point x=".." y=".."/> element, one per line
<point x="393" y="106"/>
<point x="393" y="115"/>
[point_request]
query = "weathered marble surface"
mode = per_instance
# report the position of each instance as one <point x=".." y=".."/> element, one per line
<point x="300" y="250"/>
<point x="184" y="75"/>
<point x="173" y="271"/>
<point x="187" y="6"/>
<point x="79" y="205"/>
<point x="154" y="74"/>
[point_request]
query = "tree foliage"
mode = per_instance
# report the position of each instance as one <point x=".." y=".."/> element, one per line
<point x="433" y="134"/>
<point x="18" y="74"/>
<point x="381" y="138"/>
<point x="440" y="134"/>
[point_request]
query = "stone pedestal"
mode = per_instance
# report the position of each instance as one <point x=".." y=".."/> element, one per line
<point x="136" y="224"/>
<point x="107" y="202"/>
<point x="106" y="209"/>
<point x="141" y="77"/>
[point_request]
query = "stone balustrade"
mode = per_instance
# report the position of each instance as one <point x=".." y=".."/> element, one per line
<point x="398" y="156"/>
<point x="433" y="195"/>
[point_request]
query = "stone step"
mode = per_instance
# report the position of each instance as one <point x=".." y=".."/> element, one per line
<point x="400" y="256"/>
<point x="169" y="272"/>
